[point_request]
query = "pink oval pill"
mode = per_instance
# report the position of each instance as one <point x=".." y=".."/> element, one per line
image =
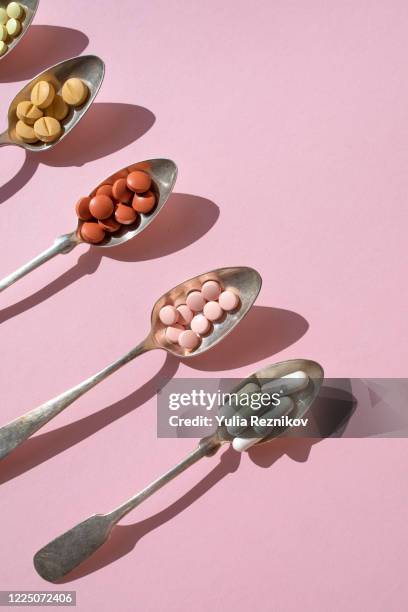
<point x="210" y="290"/>
<point x="189" y="339"/>
<point x="168" y="315"/>
<point x="228" y="300"/>
<point x="200" y="324"/>
<point x="173" y="332"/>
<point x="185" y="314"/>
<point x="195" y="301"/>
<point x="213" y="311"/>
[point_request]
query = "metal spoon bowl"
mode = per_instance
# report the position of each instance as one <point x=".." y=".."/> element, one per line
<point x="89" y="68"/>
<point x="163" y="173"/>
<point x="30" y="8"/>
<point x="245" y="280"/>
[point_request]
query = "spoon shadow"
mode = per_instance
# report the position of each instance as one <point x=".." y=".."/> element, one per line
<point x="124" y="538"/>
<point x="280" y="329"/>
<point x="42" y="46"/>
<point x="87" y="142"/>
<point x="40" y="448"/>
<point x="165" y="236"/>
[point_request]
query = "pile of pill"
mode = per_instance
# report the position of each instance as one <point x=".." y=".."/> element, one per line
<point x="115" y="205"/>
<point x="11" y="18"/>
<point x="187" y="323"/>
<point x="40" y="117"/>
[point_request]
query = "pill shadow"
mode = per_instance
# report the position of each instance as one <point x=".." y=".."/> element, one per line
<point x="42" y="47"/>
<point x="166" y="235"/>
<point x="328" y="417"/>
<point x="262" y="333"/>
<point x="124" y="538"/>
<point x="125" y="123"/>
<point x="40" y="448"/>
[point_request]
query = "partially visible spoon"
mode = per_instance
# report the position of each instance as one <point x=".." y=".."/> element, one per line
<point x="67" y="551"/>
<point x="89" y="68"/>
<point x="163" y="173"/>
<point x="30" y="8"/>
<point x="244" y="281"/>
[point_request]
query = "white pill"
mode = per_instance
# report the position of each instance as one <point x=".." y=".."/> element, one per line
<point x="3" y="47"/>
<point x="3" y="32"/>
<point x="14" y="10"/>
<point x="13" y="27"/>
<point x="3" y="16"/>
<point x="288" y="384"/>
<point x="242" y="444"/>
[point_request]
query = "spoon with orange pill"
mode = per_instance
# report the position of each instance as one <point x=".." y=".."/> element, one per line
<point x="297" y="382"/>
<point x="237" y="289"/>
<point x="121" y="212"/>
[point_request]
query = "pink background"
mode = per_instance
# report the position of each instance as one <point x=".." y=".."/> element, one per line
<point x="289" y="124"/>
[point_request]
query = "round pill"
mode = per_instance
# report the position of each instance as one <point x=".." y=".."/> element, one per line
<point x="200" y="324"/>
<point x="3" y="16"/>
<point x="125" y="214"/>
<point x="121" y="192"/>
<point x="228" y="300"/>
<point x="109" y="225"/>
<point x="168" y="315"/>
<point x="27" y="112"/>
<point x="173" y="333"/>
<point x="3" y="32"/>
<point x="185" y="314"/>
<point x="25" y="132"/>
<point x="139" y="181"/>
<point x="74" y="91"/>
<point x="105" y="190"/>
<point x="101" y="207"/>
<point x="47" y="129"/>
<point x="144" y="203"/>
<point x="42" y="94"/>
<point x="58" y="108"/>
<point x="92" y="232"/>
<point x="210" y="290"/>
<point x="213" y="311"/>
<point x="14" y="10"/>
<point x="82" y="209"/>
<point x="195" y="301"/>
<point x="189" y="339"/>
<point x="3" y="47"/>
<point x="13" y="27"/>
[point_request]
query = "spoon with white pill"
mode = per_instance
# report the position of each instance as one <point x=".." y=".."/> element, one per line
<point x="163" y="173"/>
<point x="242" y="282"/>
<point x="90" y="69"/>
<point x="16" y="17"/>
<point x="303" y="379"/>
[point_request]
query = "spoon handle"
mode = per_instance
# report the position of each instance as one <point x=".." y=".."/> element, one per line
<point x="63" y="244"/>
<point x="17" y="431"/>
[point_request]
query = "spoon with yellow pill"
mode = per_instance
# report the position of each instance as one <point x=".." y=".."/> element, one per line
<point x="15" y="19"/>
<point x="49" y="107"/>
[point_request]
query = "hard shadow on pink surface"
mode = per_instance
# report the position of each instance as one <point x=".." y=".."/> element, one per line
<point x="42" y="447"/>
<point x="165" y="236"/>
<point x="42" y="47"/>
<point x="124" y="123"/>
<point x="262" y="333"/>
<point x="330" y="412"/>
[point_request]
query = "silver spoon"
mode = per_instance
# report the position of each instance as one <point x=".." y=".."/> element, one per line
<point x="30" y="8"/>
<point x="163" y="173"/>
<point x="89" y="68"/>
<point x="74" y="546"/>
<point x="246" y="281"/>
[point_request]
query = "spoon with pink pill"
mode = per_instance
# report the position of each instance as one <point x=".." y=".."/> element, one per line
<point x="298" y="382"/>
<point x="236" y="289"/>
<point x="106" y="232"/>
